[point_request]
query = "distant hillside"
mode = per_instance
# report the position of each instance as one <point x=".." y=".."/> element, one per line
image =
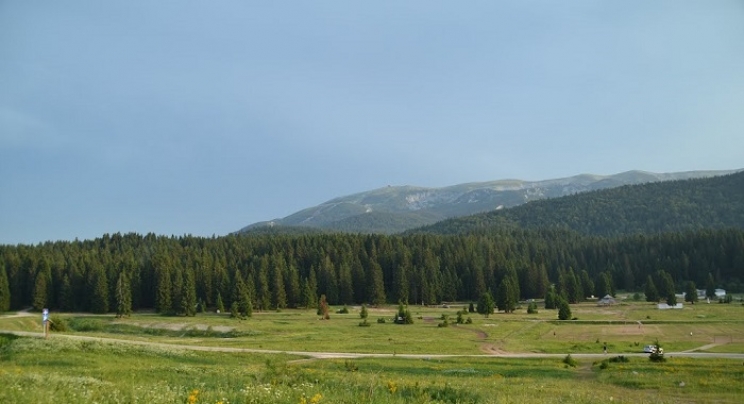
<point x="703" y="203"/>
<point x="394" y="209"/>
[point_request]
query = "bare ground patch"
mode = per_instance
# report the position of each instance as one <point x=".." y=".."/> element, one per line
<point x="179" y="326"/>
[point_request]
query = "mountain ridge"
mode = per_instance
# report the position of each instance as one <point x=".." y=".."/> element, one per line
<point x="394" y="209"/>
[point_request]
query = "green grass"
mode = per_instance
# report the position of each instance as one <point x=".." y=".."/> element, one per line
<point x="57" y="369"/>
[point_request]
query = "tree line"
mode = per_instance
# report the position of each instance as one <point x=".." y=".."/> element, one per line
<point x="176" y="275"/>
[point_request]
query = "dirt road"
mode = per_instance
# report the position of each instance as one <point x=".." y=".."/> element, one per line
<point x="355" y="355"/>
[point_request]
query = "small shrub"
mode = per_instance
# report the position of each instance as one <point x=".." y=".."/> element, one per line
<point x="351" y="366"/>
<point x="604" y="364"/>
<point x="343" y="310"/>
<point x="57" y="323"/>
<point x="364" y="323"/>
<point x="381" y="320"/>
<point x="568" y="360"/>
<point x="469" y="321"/>
<point x="619" y="359"/>
<point x="658" y="354"/>
<point x="532" y="308"/>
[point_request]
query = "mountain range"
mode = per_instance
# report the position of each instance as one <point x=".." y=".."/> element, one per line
<point x="395" y="209"/>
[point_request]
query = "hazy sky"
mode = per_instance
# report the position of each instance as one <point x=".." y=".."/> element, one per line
<point x="186" y="117"/>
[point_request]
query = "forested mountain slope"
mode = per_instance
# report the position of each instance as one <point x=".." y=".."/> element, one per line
<point x="670" y="206"/>
<point x="394" y="209"/>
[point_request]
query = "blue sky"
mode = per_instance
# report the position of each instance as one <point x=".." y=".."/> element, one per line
<point x="186" y="117"/>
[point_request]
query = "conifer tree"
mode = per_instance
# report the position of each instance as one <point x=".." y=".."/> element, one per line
<point x="177" y="300"/>
<point x="505" y="296"/>
<point x="323" y="308"/>
<point x="550" y="299"/>
<point x="376" y="284"/>
<point x="220" y="304"/>
<point x="652" y="294"/>
<point x="587" y="285"/>
<point x="99" y="291"/>
<point x="66" y="296"/>
<point x="164" y="301"/>
<point x="485" y="304"/>
<point x="564" y="310"/>
<point x="278" y="293"/>
<point x="691" y="292"/>
<point x="189" y="294"/>
<point x="364" y="313"/>
<point x="293" y="286"/>
<point x="123" y="296"/>
<point x="345" y="287"/>
<point x="710" y="287"/>
<point x="4" y="289"/>
<point x="40" y="292"/>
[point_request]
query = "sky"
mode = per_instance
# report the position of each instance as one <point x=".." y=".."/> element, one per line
<point x="201" y="117"/>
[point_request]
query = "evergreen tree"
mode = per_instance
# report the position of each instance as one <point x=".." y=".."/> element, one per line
<point x="164" y="301"/>
<point x="220" y="303"/>
<point x="710" y="287"/>
<point x="587" y="285"/>
<point x="178" y="296"/>
<point x="66" y="294"/>
<point x="323" y="309"/>
<point x="364" y="313"/>
<point x="294" y="294"/>
<point x="189" y="294"/>
<point x="40" y="292"/>
<point x="123" y="296"/>
<point x="564" y="310"/>
<point x="485" y="304"/>
<point x="691" y="292"/>
<point x="278" y="292"/>
<point x="376" y="284"/>
<point x="671" y="299"/>
<point x="234" y="311"/>
<point x="404" y="315"/>
<point x="505" y="296"/>
<point x="550" y="299"/>
<point x="652" y="294"/>
<point x="99" y="292"/>
<point x="4" y="289"/>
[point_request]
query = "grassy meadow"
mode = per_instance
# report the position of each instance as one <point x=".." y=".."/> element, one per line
<point x="60" y="369"/>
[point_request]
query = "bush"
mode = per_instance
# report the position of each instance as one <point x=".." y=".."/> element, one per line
<point x="658" y="354"/>
<point x="364" y="323"/>
<point x="619" y="359"/>
<point x="57" y="323"/>
<point x="469" y="321"/>
<point x="343" y="310"/>
<point x="568" y="360"/>
<point x="532" y="308"/>
<point x="381" y="320"/>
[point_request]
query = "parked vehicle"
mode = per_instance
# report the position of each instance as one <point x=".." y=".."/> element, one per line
<point x="652" y="349"/>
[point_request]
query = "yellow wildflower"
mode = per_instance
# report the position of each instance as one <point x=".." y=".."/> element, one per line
<point x="316" y="398"/>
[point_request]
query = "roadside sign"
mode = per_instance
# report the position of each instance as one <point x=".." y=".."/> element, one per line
<point x="45" y="315"/>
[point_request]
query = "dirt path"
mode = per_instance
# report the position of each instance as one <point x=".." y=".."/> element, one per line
<point x="355" y="355"/>
<point x="705" y="347"/>
<point x="22" y="313"/>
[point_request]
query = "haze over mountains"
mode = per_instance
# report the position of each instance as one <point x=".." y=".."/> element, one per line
<point x="396" y="209"/>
